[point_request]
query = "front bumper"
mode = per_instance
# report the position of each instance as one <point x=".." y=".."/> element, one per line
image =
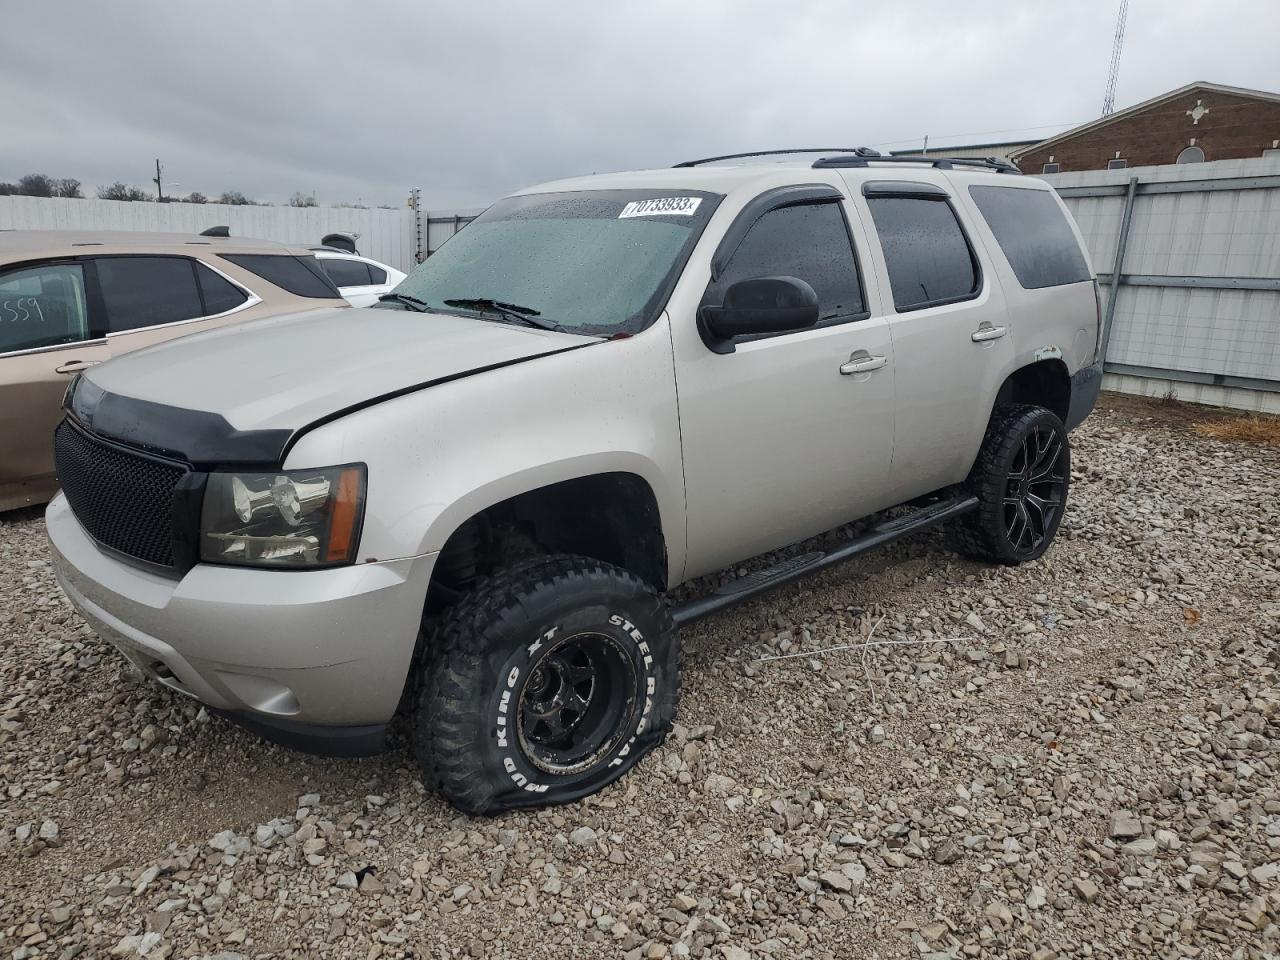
<point x="314" y="658"/>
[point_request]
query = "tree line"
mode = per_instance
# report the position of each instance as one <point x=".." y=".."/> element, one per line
<point x="42" y="185"/>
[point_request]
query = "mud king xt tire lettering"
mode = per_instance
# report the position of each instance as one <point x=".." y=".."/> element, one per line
<point x="505" y="721"/>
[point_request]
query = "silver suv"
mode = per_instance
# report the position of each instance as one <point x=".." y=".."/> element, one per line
<point x="464" y="505"/>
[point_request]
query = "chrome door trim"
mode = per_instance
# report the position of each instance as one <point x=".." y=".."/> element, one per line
<point x="31" y="351"/>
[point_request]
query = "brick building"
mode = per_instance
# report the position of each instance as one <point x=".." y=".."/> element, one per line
<point x="1195" y="123"/>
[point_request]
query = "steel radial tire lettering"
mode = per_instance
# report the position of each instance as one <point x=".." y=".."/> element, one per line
<point x="546" y="683"/>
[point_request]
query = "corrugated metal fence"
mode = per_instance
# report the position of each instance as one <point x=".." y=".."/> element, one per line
<point x="1196" y="311"/>
<point x="394" y="237"/>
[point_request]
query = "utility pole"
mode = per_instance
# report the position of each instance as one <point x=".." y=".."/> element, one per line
<point x="1113" y="74"/>
<point x="415" y="204"/>
<point x="156" y="181"/>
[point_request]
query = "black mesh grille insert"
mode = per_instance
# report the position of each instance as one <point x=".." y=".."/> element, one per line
<point x="124" y="500"/>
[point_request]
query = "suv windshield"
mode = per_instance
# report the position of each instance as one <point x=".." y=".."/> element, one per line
<point x="595" y="262"/>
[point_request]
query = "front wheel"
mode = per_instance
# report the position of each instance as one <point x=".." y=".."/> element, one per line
<point x="544" y="684"/>
<point x="1021" y="477"/>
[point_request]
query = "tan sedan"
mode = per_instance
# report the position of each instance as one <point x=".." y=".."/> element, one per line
<point x="71" y="299"/>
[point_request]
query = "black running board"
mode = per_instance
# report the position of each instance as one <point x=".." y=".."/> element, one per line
<point x="793" y="568"/>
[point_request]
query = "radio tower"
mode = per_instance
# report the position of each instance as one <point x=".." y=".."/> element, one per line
<point x="1109" y="103"/>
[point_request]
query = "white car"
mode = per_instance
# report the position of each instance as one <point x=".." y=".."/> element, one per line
<point x="360" y="280"/>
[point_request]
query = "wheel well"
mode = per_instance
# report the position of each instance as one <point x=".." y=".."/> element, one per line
<point x="610" y="516"/>
<point x="1045" y="383"/>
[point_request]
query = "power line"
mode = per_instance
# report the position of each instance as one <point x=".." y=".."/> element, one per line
<point x="980" y="133"/>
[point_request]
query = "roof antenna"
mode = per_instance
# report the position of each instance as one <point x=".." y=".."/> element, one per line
<point x="216" y="232"/>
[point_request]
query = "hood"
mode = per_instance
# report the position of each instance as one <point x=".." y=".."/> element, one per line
<point x="275" y="376"/>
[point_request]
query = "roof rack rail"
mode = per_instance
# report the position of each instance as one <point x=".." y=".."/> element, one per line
<point x="940" y="163"/>
<point x="856" y="151"/>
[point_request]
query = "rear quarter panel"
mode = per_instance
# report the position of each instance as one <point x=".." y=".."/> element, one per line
<point x="1059" y="322"/>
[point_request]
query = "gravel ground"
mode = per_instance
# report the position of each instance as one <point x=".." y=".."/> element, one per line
<point x="1086" y="768"/>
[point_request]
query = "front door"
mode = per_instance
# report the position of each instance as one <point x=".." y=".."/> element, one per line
<point x="787" y="435"/>
<point x="45" y="339"/>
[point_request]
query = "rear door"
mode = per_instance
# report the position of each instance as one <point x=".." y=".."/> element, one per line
<point x="46" y="336"/>
<point x="359" y="281"/>
<point x="788" y="435"/>
<point x="950" y="328"/>
<point x="147" y="299"/>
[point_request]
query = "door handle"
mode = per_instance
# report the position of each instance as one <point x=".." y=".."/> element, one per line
<point x="862" y="364"/>
<point x="987" y="332"/>
<point x="75" y="366"/>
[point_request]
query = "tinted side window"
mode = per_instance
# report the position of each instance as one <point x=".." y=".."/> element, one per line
<point x="1034" y="235"/>
<point x="42" y="306"/>
<point x="345" y="273"/>
<point x="300" y="276"/>
<point x="145" y="291"/>
<point x="928" y="257"/>
<point x="220" y="294"/>
<point x="810" y="242"/>
<point x="376" y="274"/>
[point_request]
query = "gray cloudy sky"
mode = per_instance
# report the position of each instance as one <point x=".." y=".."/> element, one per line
<point x="363" y="100"/>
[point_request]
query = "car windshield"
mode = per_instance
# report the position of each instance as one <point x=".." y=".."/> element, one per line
<point x="597" y="262"/>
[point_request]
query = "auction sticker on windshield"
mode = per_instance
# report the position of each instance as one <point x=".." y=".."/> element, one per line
<point x="661" y="207"/>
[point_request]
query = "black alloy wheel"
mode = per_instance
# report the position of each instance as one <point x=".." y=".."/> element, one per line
<point x="1022" y="479"/>
<point x="573" y="705"/>
<point x="1036" y="489"/>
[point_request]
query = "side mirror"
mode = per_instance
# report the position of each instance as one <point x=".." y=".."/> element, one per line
<point x="762" y="305"/>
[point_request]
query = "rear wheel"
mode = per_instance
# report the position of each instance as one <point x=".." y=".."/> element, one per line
<point x="1022" y="477"/>
<point x="544" y="684"/>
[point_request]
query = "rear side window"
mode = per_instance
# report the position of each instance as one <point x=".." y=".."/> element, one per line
<point x="345" y="273"/>
<point x="142" y="292"/>
<point x="43" y="306"/>
<point x="928" y="256"/>
<point x="220" y="294"/>
<point x="300" y="276"/>
<point x="809" y="242"/>
<point x="1034" y="235"/>
<point x="376" y="274"/>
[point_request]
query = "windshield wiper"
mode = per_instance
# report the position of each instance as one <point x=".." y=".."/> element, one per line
<point x="413" y="303"/>
<point x="512" y="312"/>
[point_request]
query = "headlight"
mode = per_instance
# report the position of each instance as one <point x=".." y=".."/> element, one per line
<point x="285" y="518"/>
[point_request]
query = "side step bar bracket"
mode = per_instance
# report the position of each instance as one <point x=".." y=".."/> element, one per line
<point x="793" y="568"/>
